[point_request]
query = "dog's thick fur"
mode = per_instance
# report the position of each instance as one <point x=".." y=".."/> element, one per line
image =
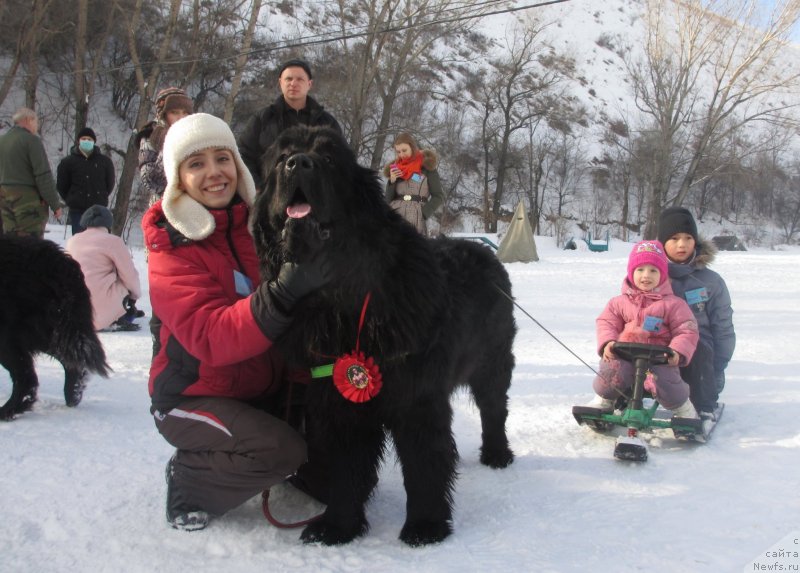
<point x="45" y="307"/>
<point x="436" y="320"/>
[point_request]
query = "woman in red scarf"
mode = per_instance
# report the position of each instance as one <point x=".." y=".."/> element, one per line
<point x="414" y="189"/>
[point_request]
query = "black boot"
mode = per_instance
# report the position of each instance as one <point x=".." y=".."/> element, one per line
<point x="179" y="514"/>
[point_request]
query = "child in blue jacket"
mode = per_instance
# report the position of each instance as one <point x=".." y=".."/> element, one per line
<point x="707" y="294"/>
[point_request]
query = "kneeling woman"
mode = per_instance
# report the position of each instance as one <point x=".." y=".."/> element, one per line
<point x="215" y="377"/>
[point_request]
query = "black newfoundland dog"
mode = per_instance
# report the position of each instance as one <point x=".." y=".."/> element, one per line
<point x="45" y="307"/>
<point x="425" y="317"/>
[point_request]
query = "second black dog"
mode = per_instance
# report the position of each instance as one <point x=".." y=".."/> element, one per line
<point x="45" y="307"/>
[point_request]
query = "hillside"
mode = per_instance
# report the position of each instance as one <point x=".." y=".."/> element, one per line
<point x="596" y="36"/>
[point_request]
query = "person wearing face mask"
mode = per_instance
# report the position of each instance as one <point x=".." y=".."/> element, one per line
<point x="84" y="178"/>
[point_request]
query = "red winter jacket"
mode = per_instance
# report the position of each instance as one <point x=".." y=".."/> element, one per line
<point x="655" y="317"/>
<point x="210" y="343"/>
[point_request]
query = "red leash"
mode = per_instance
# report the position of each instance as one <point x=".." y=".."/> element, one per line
<point x="280" y="524"/>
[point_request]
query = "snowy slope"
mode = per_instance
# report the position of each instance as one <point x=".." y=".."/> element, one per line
<point x="83" y="489"/>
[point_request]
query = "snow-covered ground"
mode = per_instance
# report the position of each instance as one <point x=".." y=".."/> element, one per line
<point x="83" y="489"/>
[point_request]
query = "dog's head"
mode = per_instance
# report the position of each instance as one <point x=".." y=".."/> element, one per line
<point x="312" y="186"/>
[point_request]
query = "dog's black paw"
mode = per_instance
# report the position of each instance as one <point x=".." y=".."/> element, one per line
<point x="74" y="395"/>
<point x="497" y="459"/>
<point x="10" y="411"/>
<point x="329" y="534"/>
<point x="73" y="391"/>
<point x="425" y="532"/>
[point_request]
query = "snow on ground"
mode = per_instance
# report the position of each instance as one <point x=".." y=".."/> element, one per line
<point x="83" y="489"/>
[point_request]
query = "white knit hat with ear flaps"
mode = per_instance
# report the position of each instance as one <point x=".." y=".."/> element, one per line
<point x="188" y="135"/>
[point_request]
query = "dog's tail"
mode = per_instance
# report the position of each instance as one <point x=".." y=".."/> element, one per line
<point x="84" y="350"/>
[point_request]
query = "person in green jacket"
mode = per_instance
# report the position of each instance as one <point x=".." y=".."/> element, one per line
<point x="27" y="188"/>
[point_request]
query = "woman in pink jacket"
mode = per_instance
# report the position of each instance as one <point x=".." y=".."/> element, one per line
<point x="107" y="268"/>
<point x="646" y="312"/>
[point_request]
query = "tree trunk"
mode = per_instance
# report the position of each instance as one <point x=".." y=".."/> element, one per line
<point x="241" y="61"/>
<point x="146" y="87"/>
<point x="79" y="77"/>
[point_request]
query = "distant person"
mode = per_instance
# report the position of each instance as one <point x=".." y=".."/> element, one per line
<point x="27" y="188"/>
<point x="216" y="381"/>
<point x="84" y="178"/>
<point x="108" y="270"/>
<point x="293" y="107"/>
<point x="646" y="312"/>
<point x="707" y="295"/>
<point x="414" y="189"/>
<point x="172" y="104"/>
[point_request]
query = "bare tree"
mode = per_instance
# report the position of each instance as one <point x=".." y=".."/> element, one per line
<point x="788" y="209"/>
<point x="515" y="93"/>
<point x="710" y="66"/>
<point x="26" y="23"/>
<point x="146" y="85"/>
<point x="379" y="72"/>
<point x="89" y="55"/>
<point x="570" y="166"/>
<point x="241" y="59"/>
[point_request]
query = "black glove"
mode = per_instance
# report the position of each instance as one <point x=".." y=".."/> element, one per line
<point x="272" y="303"/>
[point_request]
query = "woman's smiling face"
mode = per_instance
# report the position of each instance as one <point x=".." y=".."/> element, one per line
<point x="210" y="177"/>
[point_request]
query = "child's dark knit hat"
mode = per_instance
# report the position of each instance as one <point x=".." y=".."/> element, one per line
<point x="675" y="220"/>
<point x="97" y="216"/>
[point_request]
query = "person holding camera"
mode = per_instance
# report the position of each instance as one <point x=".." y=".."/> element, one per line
<point x="413" y="189"/>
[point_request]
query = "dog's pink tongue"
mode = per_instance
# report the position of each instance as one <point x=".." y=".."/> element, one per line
<point x="298" y="211"/>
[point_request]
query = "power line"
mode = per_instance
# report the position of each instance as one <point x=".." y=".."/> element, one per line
<point x="326" y="38"/>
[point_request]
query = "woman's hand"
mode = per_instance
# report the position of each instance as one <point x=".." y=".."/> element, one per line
<point x="394" y="173"/>
<point x="674" y="358"/>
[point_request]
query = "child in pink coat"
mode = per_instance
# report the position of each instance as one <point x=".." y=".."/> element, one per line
<point x="646" y="312"/>
<point x="108" y="270"/>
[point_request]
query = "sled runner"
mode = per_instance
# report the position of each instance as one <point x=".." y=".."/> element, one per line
<point x="637" y="417"/>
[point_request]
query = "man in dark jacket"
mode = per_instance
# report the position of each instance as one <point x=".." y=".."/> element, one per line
<point x="293" y="107"/>
<point x="85" y="177"/>
<point x="26" y="182"/>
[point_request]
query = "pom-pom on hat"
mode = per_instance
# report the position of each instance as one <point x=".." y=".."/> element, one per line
<point x="188" y="135"/>
<point x="97" y="216"/>
<point x="86" y="132"/>
<point x="648" y="253"/>
<point x="674" y="220"/>
<point x="172" y="98"/>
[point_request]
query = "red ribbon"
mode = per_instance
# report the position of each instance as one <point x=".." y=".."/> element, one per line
<point x="357" y="377"/>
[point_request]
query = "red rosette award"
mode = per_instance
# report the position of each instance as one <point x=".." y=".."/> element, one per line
<point x="357" y="378"/>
